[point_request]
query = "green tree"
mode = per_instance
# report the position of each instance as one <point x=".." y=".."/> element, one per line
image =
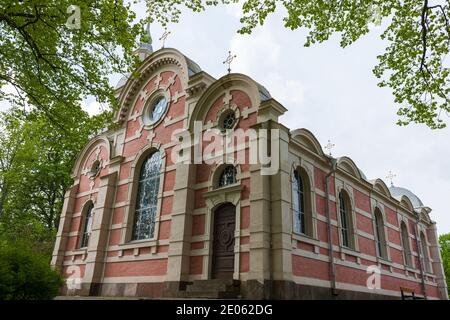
<point x="37" y="157"/>
<point x="10" y="141"/>
<point x="26" y="274"/>
<point x="444" y="243"/>
<point x="417" y="34"/>
<point x="51" y="53"/>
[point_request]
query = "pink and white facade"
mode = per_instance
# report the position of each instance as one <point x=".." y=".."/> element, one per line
<point x="276" y="241"/>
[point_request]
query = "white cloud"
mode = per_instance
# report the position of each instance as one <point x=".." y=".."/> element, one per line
<point x="92" y="107"/>
<point x="256" y="53"/>
<point x="235" y="9"/>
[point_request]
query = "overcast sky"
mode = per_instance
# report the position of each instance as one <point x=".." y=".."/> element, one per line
<point x="330" y="91"/>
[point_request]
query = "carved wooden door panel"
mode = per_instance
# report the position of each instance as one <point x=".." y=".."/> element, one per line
<point x="223" y="245"/>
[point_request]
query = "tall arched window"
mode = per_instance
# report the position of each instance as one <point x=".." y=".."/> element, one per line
<point x="87" y="225"/>
<point x="346" y="220"/>
<point x="380" y="235"/>
<point x="425" y="255"/>
<point x="147" y="198"/>
<point x="405" y="242"/>
<point x="228" y="176"/>
<point x="299" y="204"/>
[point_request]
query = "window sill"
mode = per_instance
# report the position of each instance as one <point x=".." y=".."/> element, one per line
<point x="79" y="251"/>
<point x="305" y="238"/>
<point x="350" y="251"/>
<point x="138" y="244"/>
<point x="384" y="260"/>
<point x="410" y="269"/>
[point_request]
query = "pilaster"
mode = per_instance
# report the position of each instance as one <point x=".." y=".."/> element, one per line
<point x="181" y="225"/>
<point x="437" y="263"/>
<point x="98" y="240"/>
<point x="64" y="227"/>
<point x="281" y="215"/>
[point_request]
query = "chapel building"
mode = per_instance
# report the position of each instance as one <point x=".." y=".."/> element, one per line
<point x="138" y="222"/>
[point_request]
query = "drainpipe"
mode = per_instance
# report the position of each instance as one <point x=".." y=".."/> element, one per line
<point x="421" y="257"/>
<point x="333" y="163"/>
<point x="269" y="295"/>
<point x="270" y="242"/>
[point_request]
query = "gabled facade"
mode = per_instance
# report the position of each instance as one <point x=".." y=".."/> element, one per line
<point x="137" y="221"/>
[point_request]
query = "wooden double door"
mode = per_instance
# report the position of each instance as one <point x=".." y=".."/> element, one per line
<point x="223" y="242"/>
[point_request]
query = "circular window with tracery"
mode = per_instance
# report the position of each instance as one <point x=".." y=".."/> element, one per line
<point x="95" y="169"/>
<point x="157" y="109"/>
<point x="227" y="120"/>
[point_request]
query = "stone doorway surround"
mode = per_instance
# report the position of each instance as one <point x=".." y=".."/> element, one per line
<point x="214" y="198"/>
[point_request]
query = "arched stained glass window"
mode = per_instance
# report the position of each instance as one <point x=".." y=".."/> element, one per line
<point x="147" y="198"/>
<point x="227" y="177"/>
<point x="298" y="193"/>
<point x="87" y="227"/>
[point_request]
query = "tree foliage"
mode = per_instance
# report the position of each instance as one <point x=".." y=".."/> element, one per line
<point x="444" y="243"/>
<point x="36" y="157"/>
<point x="26" y="274"/>
<point x="47" y="59"/>
<point x="417" y="34"/>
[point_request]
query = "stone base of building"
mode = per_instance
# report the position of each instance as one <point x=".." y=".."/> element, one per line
<point x="289" y="290"/>
<point x="251" y="289"/>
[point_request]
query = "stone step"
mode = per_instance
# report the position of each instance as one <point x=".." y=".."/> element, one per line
<point x="211" y="287"/>
<point x="217" y="281"/>
<point x="212" y="295"/>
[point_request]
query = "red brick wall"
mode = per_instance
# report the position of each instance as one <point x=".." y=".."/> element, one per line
<point x="307" y="267"/>
<point x="318" y="269"/>
<point x="362" y="201"/>
<point x="157" y="267"/>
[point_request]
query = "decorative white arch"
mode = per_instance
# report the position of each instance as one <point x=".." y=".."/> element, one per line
<point x="381" y="187"/>
<point x="160" y="58"/>
<point x="406" y="203"/>
<point x="305" y="138"/>
<point x="86" y="152"/>
<point x="234" y="81"/>
<point x="346" y="164"/>
<point x="216" y="171"/>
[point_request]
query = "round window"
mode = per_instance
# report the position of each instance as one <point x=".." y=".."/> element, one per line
<point x="95" y="169"/>
<point x="228" y="120"/>
<point x="158" y="109"/>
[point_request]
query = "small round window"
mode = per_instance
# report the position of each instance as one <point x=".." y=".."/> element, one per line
<point x="228" y="120"/>
<point x="95" y="169"/>
<point x="157" y="110"/>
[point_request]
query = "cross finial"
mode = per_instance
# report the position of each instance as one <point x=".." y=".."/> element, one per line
<point x="229" y="60"/>
<point x="164" y="36"/>
<point x="391" y="177"/>
<point x="329" y="146"/>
